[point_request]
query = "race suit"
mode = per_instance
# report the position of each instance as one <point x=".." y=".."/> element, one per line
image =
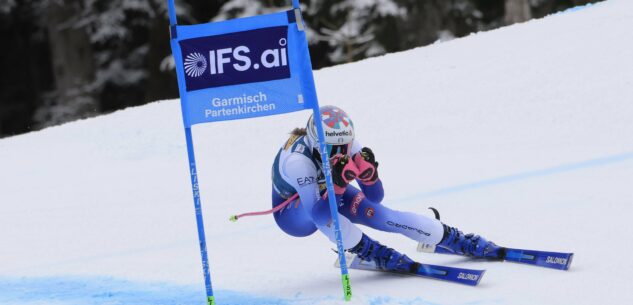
<point x="297" y="170"/>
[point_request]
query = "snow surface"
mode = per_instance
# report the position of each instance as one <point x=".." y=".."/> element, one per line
<point x="523" y="135"/>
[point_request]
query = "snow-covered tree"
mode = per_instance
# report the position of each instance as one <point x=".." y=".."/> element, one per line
<point x="119" y="56"/>
<point x="119" y="32"/>
<point x="346" y="30"/>
<point x="73" y="68"/>
<point x="517" y="11"/>
<point x="93" y="56"/>
<point x="244" y="8"/>
<point x="351" y="28"/>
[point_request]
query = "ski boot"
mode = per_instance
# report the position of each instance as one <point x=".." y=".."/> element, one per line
<point x="386" y="258"/>
<point x="456" y="242"/>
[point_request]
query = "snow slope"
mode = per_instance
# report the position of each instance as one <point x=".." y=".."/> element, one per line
<point x="522" y="134"/>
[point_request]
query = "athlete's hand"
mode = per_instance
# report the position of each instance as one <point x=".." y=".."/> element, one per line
<point x="343" y="172"/>
<point x="367" y="166"/>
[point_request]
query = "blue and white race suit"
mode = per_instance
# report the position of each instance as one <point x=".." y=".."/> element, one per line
<point x="297" y="170"/>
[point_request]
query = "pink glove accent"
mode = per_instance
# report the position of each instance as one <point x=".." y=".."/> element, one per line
<point x="339" y="190"/>
<point x="343" y="171"/>
<point x="366" y="170"/>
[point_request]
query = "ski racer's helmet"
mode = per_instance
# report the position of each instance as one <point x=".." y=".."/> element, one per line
<point x="337" y="127"/>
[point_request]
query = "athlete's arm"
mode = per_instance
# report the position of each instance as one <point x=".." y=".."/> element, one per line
<point x="373" y="191"/>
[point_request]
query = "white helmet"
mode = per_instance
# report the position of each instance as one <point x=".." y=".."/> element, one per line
<point x="338" y="129"/>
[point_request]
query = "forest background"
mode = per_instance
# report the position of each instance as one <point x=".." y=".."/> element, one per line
<point x="64" y="60"/>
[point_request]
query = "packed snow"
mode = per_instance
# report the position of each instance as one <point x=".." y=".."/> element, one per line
<point x="523" y="135"/>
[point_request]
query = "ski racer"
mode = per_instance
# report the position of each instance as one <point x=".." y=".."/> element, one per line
<point x="300" y="202"/>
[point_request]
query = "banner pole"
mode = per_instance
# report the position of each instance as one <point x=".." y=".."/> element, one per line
<point x="191" y="156"/>
<point x="172" y="13"/>
<point x="199" y="221"/>
<point x="347" y="287"/>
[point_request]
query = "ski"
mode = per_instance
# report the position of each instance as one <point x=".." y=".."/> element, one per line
<point x="553" y="260"/>
<point x="455" y="275"/>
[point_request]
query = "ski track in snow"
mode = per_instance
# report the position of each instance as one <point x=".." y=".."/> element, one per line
<point x="564" y="168"/>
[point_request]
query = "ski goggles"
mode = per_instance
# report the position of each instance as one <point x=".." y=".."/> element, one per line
<point x="342" y="149"/>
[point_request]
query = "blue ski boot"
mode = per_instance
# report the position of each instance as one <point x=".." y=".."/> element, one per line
<point x="386" y="258"/>
<point x="455" y="242"/>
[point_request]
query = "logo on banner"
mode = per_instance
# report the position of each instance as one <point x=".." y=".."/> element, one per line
<point x="236" y="58"/>
<point x="195" y="64"/>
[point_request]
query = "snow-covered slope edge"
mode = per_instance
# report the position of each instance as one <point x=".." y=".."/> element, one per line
<point x="522" y="134"/>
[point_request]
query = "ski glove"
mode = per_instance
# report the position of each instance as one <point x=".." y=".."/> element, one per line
<point x="367" y="166"/>
<point x="343" y="172"/>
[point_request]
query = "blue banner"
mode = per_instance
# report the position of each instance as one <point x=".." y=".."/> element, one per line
<point x="243" y="68"/>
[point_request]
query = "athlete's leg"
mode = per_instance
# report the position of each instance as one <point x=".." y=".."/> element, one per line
<point x="350" y="233"/>
<point x="293" y="219"/>
<point x="361" y="210"/>
<point x="322" y="219"/>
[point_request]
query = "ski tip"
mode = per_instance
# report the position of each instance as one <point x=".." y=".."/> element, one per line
<point x="568" y="265"/>
<point x="480" y="277"/>
<point x="561" y="262"/>
<point x="474" y="282"/>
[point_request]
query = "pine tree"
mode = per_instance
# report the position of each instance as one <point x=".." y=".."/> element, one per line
<point x="119" y="31"/>
<point x="517" y="11"/>
<point x="245" y="8"/>
<point x="347" y="30"/>
<point x="73" y="68"/>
